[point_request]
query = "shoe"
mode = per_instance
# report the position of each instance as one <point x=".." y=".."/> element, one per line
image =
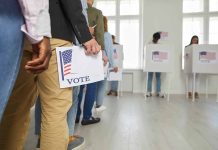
<point x="75" y="142"/>
<point x="77" y="120"/>
<point x="100" y="108"/>
<point x="110" y="92"/>
<point x="196" y="95"/>
<point x="92" y="120"/>
<point x="148" y="94"/>
<point x="115" y="93"/>
<point x="38" y="144"/>
<point x="161" y="95"/>
<point x="190" y="95"/>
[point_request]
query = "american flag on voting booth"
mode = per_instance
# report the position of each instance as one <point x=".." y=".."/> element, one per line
<point x="66" y="59"/>
<point x="159" y="55"/>
<point x="207" y="55"/>
<point x="115" y="55"/>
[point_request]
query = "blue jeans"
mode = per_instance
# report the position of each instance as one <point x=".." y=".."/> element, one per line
<point x="11" y="43"/>
<point x="114" y="85"/>
<point x="158" y="81"/>
<point x="88" y="101"/>
<point x="100" y="92"/>
<point x="71" y="115"/>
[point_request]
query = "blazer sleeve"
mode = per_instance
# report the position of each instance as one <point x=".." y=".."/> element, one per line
<point x="73" y="11"/>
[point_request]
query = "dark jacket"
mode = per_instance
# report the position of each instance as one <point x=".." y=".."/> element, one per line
<point x="67" y="21"/>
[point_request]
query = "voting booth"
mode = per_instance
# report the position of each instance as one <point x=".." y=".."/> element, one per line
<point x="159" y="58"/>
<point x="201" y="59"/>
<point x="118" y="58"/>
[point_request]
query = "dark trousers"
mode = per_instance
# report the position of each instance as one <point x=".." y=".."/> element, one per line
<point x="88" y="101"/>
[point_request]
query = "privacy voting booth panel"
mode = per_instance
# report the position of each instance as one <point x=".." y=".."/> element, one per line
<point x="201" y="59"/>
<point x="158" y="58"/>
<point x="118" y="55"/>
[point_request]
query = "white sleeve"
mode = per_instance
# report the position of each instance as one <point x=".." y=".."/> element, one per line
<point x="37" y="19"/>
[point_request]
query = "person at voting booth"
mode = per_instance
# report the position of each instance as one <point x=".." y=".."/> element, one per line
<point x="156" y="37"/>
<point x="113" y="85"/>
<point x="194" y="40"/>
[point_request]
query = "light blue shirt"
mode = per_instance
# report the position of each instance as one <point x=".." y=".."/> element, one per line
<point x="108" y="45"/>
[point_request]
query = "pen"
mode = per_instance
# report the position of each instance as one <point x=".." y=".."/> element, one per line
<point x="94" y="26"/>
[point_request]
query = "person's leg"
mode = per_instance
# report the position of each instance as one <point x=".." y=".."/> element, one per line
<point x="149" y="84"/>
<point x="190" y="81"/>
<point x="89" y="100"/>
<point x="10" y="51"/>
<point x="197" y="81"/>
<point x="114" y="86"/>
<point x="38" y="112"/>
<point x="80" y="97"/>
<point x="55" y="103"/>
<point x="100" y="93"/>
<point x="71" y="115"/>
<point x="88" y="104"/>
<point x="16" y="118"/>
<point x="158" y="82"/>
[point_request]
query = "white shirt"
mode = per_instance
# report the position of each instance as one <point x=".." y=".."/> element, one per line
<point x="37" y="19"/>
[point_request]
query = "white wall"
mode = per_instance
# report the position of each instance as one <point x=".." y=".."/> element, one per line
<point x="164" y="15"/>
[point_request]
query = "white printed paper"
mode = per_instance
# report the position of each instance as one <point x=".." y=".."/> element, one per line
<point x="76" y="68"/>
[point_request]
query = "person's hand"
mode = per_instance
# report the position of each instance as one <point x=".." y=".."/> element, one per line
<point x="40" y="57"/>
<point x="91" y="30"/>
<point x="115" y="69"/>
<point x="105" y="60"/>
<point x="92" y="47"/>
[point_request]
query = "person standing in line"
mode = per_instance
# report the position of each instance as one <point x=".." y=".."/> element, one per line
<point x="96" y="24"/>
<point x="113" y="84"/>
<point x="75" y="141"/>
<point x="194" y="40"/>
<point x="12" y="19"/>
<point x="108" y="52"/>
<point x="156" y="37"/>
<point x="55" y="102"/>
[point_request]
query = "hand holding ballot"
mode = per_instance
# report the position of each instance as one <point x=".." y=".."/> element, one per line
<point x="92" y="47"/>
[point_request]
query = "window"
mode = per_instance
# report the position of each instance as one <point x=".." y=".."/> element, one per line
<point x="129" y="7"/>
<point x="192" y="26"/>
<point x="192" y="6"/>
<point x="124" y="19"/>
<point x="130" y="42"/>
<point x="200" y="17"/>
<point x="108" y="7"/>
<point x="213" y="6"/>
<point x="213" y="30"/>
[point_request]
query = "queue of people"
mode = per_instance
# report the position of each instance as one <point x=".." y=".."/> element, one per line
<point x="32" y="75"/>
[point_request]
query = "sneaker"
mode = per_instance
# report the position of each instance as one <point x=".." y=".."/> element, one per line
<point x="77" y="120"/>
<point x="75" y="142"/>
<point x="148" y="94"/>
<point x="196" y="95"/>
<point x="92" y="120"/>
<point x="161" y="95"/>
<point x="115" y="93"/>
<point x="110" y="92"/>
<point x="100" y="108"/>
<point x="38" y="144"/>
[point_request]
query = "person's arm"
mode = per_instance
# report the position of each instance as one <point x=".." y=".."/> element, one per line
<point x="109" y="48"/>
<point x="99" y="30"/>
<point x="73" y="11"/>
<point x="38" y="30"/>
<point x="37" y="19"/>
